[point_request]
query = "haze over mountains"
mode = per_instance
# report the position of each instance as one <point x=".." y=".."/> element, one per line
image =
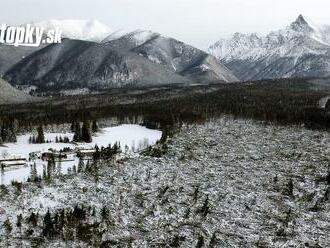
<point x="299" y="50"/>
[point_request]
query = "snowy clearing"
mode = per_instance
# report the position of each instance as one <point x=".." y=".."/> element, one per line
<point x="135" y="137"/>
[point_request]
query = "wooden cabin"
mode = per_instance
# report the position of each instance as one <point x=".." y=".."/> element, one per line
<point x="12" y="162"/>
<point x="53" y="155"/>
<point x="85" y="153"/>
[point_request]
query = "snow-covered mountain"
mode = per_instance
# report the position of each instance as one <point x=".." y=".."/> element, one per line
<point x="175" y="55"/>
<point x="90" y="30"/>
<point x="138" y="37"/>
<point x="139" y="58"/>
<point x="299" y="50"/>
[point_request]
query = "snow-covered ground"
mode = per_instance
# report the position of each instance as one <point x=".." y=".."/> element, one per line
<point x="135" y="137"/>
<point x="227" y="183"/>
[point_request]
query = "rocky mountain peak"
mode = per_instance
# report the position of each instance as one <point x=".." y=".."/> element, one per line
<point x="300" y="24"/>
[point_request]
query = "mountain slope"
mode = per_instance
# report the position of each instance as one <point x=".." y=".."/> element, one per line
<point x="75" y="64"/>
<point x="10" y="55"/>
<point x="138" y="59"/>
<point x="90" y="30"/>
<point x="10" y="95"/>
<point x="175" y="55"/>
<point x="299" y="50"/>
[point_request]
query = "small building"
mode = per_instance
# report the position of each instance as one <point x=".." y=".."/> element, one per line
<point x="53" y="155"/>
<point x="12" y="162"/>
<point x="85" y="153"/>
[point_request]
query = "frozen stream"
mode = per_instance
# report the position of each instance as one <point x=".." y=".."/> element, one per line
<point x="135" y="137"/>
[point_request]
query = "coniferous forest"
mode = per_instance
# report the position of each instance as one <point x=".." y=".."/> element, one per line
<point x="217" y="142"/>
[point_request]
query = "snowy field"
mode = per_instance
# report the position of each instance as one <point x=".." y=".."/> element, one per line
<point x="227" y="183"/>
<point x="135" y="137"/>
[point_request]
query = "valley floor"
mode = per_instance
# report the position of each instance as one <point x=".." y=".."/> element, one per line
<point x="226" y="183"/>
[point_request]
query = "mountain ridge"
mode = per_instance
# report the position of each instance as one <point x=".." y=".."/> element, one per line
<point x="124" y="62"/>
<point x="299" y="50"/>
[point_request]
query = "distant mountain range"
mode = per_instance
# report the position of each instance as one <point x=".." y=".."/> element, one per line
<point x="138" y="58"/>
<point x="299" y="50"/>
<point x="92" y="57"/>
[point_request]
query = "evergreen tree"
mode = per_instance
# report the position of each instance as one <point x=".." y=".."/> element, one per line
<point x="34" y="173"/>
<point x="73" y="126"/>
<point x="95" y="127"/>
<point x="48" y="227"/>
<point x="200" y="242"/>
<point x="80" y="165"/>
<point x="96" y="155"/>
<point x="33" y="219"/>
<point x="40" y="137"/>
<point x="86" y="135"/>
<point x="104" y="213"/>
<point x="290" y="187"/>
<point x="7" y="226"/>
<point x="77" y="133"/>
<point x="19" y="221"/>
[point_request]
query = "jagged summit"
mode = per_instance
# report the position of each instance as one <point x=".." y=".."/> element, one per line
<point x="301" y="20"/>
<point x="301" y="49"/>
<point x="300" y="24"/>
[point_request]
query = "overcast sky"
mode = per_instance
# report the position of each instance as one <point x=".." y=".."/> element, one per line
<point x="197" y="22"/>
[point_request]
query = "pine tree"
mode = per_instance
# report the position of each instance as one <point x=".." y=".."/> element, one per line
<point x="34" y="173"/>
<point x="73" y="126"/>
<point x="200" y="242"/>
<point x="97" y="154"/>
<point x="104" y="213"/>
<point x="19" y="221"/>
<point x="33" y="219"/>
<point x="77" y="133"/>
<point x="95" y="127"/>
<point x="86" y="132"/>
<point x="8" y="227"/>
<point x="290" y="187"/>
<point x="80" y="165"/>
<point x="48" y="229"/>
<point x="40" y="137"/>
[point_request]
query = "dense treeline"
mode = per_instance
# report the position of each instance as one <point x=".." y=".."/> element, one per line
<point x="8" y="130"/>
<point x="290" y="101"/>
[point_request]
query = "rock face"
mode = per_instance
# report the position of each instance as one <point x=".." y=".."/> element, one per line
<point x="139" y="58"/>
<point x="299" y="50"/>
<point x="10" y="95"/>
